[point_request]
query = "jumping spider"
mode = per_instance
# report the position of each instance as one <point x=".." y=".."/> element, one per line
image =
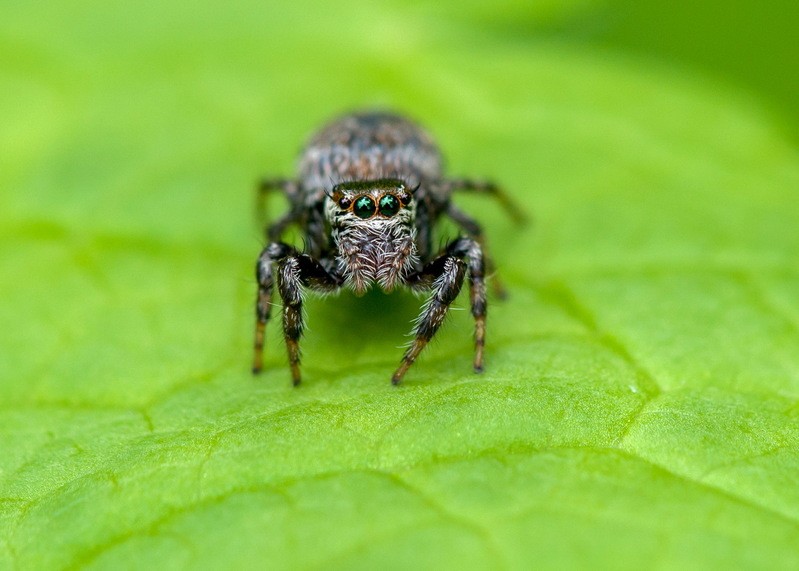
<point x="368" y="194"/>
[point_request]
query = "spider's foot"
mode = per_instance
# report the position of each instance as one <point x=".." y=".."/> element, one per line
<point x="396" y="378"/>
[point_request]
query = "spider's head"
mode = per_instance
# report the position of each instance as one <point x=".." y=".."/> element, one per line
<point x="372" y="224"/>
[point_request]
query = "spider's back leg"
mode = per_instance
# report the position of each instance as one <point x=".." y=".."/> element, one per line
<point x="474" y="230"/>
<point x="514" y="211"/>
<point x="291" y="190"/>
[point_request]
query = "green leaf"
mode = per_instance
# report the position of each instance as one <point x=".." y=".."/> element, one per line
<point x="639" y="405"/>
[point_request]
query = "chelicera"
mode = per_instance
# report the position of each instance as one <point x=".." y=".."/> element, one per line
<point x="367" y="197"/>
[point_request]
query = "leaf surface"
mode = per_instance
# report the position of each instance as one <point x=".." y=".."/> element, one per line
<point x="639" y="405"/>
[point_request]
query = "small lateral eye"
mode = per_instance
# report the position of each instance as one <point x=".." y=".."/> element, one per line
<point x="404" y="198"/>
<point x="364" y="207"/>
<point x="345" y="202"/>
<point x="389" y="205"/>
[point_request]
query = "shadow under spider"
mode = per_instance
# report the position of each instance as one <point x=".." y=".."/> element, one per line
<point x="376" y="319"/>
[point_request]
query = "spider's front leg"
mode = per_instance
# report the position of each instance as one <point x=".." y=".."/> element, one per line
<point x="446" y="274"/>
<point x="294" y="272"/>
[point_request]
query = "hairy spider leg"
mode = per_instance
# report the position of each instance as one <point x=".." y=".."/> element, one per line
<point x="290" y="189"/>
<point x="474" y="230"/>
<point x="514" y="211"/>
<point x="295" y="271"/>
<point x="445" y="275"/>
<point x="263" y="303"/>
<point x="287" y="186"/>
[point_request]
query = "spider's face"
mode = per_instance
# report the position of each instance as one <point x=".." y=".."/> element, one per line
<point x="372" y="224"/>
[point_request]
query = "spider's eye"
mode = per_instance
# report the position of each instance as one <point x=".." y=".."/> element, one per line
<point x="364" y="207"/>
<point x="345" y="203"/>
<point x="389" y="205"/>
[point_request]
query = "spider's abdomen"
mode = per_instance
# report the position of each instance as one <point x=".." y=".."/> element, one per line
<point x="367" y="146"/>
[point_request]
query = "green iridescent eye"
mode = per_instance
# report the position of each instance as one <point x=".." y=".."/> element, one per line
<point x="364" y="207"/>
<point x="389" y="205"/>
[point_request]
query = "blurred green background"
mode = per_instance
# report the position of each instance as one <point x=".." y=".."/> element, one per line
<point x="749" y="45"/>
<point x="639" y="406"/>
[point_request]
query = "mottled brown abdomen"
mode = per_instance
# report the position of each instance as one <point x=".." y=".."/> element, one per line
<point x="368" y="146"/>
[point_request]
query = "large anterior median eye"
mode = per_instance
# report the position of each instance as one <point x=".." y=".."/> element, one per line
<point x="388" y="205"/>
<point x="364" y="207"/>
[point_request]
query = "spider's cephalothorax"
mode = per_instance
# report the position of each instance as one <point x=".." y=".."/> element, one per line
<point x="368" y="194"/>
<point x="372" y="226"/>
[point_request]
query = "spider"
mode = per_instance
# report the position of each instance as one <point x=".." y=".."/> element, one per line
<point x="368" y="193"/>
